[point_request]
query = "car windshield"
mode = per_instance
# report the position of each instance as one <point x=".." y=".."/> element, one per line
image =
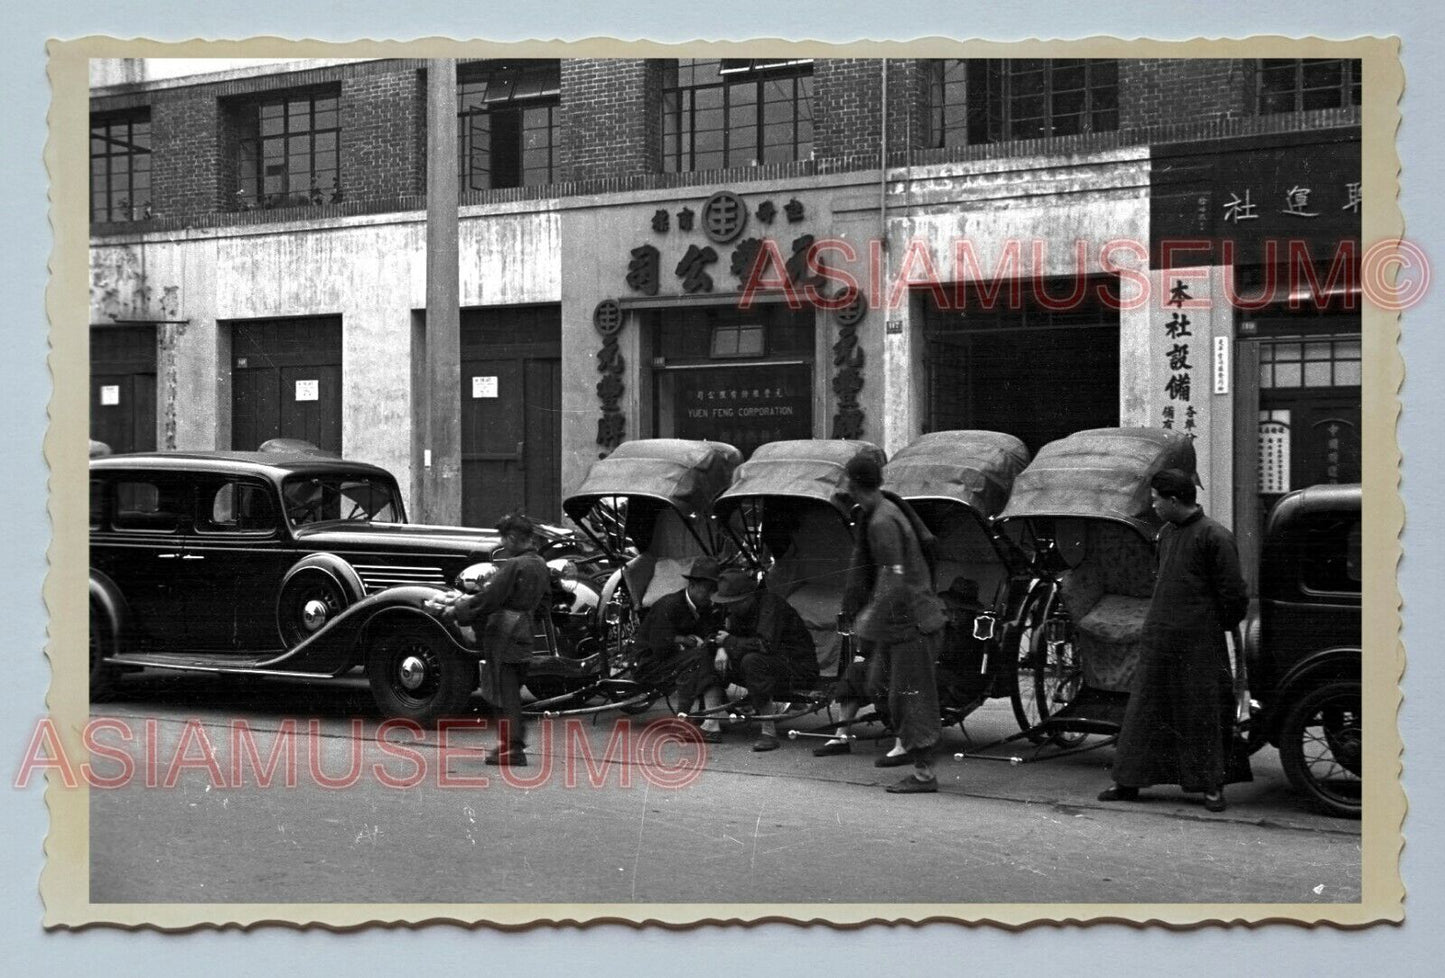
<point x="358" y="498"/>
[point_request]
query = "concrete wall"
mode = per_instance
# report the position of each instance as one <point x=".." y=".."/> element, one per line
<point x="371" y="272"/>
<point x="1047" y="206"/>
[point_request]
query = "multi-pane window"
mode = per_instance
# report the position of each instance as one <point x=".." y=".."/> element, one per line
<point x="507" y="123"/>
<point x="1032" y="98"/>
<point x="120" y="166"/>
<point x="289" y="150"/>
<point x="1310" y="363"/>
<point x="1299" y="84"/>
<point x="947" y="105"/>
<point x="728" y="112"/>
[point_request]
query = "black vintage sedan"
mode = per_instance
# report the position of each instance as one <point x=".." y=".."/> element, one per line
<point x="280" y="564"/>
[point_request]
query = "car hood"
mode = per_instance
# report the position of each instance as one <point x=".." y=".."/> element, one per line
<point x="410" y="537"/>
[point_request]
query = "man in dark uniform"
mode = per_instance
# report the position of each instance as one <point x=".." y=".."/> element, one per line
<point x="1179" y="719"/>
<point x="764" y="647"/>
<point x="901" y="618"/>
<point x="505" y="606"/>
<point x="674" y="637"/>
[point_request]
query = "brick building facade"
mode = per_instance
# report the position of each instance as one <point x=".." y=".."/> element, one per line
<point x="590" y="159"/>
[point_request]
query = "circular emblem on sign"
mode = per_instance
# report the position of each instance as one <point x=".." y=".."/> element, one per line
<point x="853" y="311"/>
<point x="607" y="317"/>
<point x="723" y="216"/>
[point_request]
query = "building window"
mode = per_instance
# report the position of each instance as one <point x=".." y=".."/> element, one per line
<point x="289" y="150"/>
<point x="947" y="106"/>
<point x="506" y="120"/>
<point x="120" y="167"/>
<point x="729" y="112"/>
<point x="1034" y="98"/>
<point x="1300" y="84"/>
<point x="1310" y="363"/>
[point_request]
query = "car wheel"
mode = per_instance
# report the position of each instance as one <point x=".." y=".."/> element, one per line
<point x="1321" y="747"/>
<point x="309" y="602"/>
<point x="415" y="675"/>
<point x="102" y="676"/>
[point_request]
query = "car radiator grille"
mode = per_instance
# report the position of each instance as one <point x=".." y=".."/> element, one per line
<point x="377" y="577"/>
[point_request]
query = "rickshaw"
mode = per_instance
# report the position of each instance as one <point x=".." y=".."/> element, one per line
<point x="1082" y="511"/>
<point x="648" y="507"/>
<point x="957" y="482"/>
<point x="789" y="514"/>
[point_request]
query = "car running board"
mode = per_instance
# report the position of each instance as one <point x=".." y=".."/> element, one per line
<point x="201" y="662"/>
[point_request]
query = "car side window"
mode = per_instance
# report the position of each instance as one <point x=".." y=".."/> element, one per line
<point x="143" y="504"/>
<point x="237" y="507"/>
<point x="1331" y="558"/>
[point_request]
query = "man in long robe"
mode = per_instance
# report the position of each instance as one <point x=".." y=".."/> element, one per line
<point x="1178" y="724"/>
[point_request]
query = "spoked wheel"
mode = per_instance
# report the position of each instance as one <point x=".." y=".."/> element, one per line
<point x="308" y="603"/>
<point x="102" y="676"/>
<point x="1049" y="670"/>
<point x="1321" y="746"/>
<point x="415" y="676"/>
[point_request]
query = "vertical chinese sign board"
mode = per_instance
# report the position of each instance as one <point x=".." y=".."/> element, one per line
<point x="1191" y="333"/>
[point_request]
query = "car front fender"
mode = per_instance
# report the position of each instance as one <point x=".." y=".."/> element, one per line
<point x="1342" y="662"/>
<point x="341" y="644"/>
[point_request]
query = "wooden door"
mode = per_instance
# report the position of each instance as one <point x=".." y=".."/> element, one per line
<point x="511" y="413"/>
<point x="123" y="387"/>
<point x="286" y="382"/>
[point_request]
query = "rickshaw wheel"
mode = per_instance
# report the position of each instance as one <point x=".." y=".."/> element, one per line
<point x="1048" y="674"/>
<point x="1321" y="747"/>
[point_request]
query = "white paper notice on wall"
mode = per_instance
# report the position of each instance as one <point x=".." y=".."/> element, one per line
<point x="308" y="390"/>
<point x="109" y="395"/>
<point x="484" y="387"/>
<point x="1221" y="365"/>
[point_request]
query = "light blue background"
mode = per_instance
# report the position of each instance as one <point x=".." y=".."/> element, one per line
<point x="774" y="949"/>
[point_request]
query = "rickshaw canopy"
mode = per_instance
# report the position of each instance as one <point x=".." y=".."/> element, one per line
<point x="801" y="469"/>
<point x="1101" y="473"/>
<point x="975" y="468"/>
<point x="686" y="475"/>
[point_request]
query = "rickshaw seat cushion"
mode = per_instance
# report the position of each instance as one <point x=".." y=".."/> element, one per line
<point x="818" y="605"/>
<point x="1109" y="641"/>
<point x="666" y="578"/>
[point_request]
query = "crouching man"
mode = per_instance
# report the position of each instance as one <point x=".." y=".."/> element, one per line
<point x="764" y="647"/>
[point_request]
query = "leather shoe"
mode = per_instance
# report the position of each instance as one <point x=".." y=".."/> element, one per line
<point x="512" y="758"/>
<point x="711" y="736"/>
<point x="833" y="749"/>
<point x="765" y="742"/>
<point x="893" y="760"/>
<point x="1119" y="792"/>
<point x="912" y="786"/>
<point x="1214" y="801"/>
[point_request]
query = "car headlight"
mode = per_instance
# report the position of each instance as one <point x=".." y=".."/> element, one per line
<point x="472" y="578"/>
<point x="563" y="569"/>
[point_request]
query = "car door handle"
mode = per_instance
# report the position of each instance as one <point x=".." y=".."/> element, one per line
<point x="192" y="557"/>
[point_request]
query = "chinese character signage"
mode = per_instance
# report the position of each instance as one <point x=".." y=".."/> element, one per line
<point x="1258" y="189"/>
<point x="1188" y="366"/>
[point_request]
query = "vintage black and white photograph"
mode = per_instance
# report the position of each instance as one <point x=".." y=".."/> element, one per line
<point x="534" y="482"/>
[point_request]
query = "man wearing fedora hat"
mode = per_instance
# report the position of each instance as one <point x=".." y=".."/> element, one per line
<point x="673" y="635"/>
<point x="764" y="647"/>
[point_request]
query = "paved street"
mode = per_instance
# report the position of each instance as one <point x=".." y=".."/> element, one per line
<point x="774" y="827"/>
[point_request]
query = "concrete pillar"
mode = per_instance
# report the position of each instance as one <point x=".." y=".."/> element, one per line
<point x="441" y="497"/>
